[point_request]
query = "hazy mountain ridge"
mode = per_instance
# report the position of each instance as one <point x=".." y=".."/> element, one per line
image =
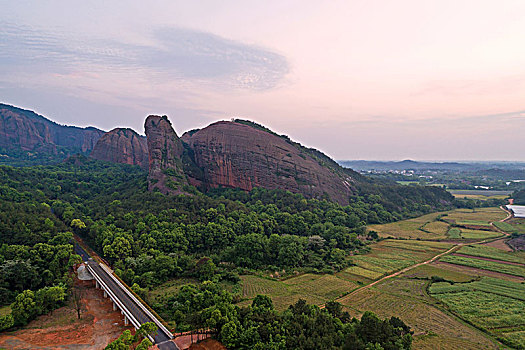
<point x="26" y="131"/>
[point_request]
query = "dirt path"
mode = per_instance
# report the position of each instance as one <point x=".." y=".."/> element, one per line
<point x="454" y="248"/>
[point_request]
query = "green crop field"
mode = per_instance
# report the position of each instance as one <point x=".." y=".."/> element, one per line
<point x="490" y="303"/>
<point x="492" y="253"/>
<point x="478" y="234"/>
<point x="485" y="265"/>
<point x="514" y="227"/>
<point x="454" y="233"/>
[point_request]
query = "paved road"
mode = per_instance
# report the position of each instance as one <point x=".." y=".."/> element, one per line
<point x="161" y="339"/>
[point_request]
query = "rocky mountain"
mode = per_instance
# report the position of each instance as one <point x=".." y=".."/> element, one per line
<point x="235" y="154"/>
<point x="23" y="130"/>
<point x="165" y="152"/>
<point x="241" y="154"/>
<point x="122" y="145"/>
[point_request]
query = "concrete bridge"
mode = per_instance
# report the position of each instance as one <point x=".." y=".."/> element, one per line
<point x="132" y="309"/>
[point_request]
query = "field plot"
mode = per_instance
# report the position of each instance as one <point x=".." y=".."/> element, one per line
<point x="438" y="226"/>
<point x="406" y="298"/>
<point x="392" y="255"/>
<point x="409" y="228"/>
<point x="489" y="303"/>
<point x="499" y="267"/>
<point x="478" y="234"/>
<point x="427" y="271"/>
<point x="478" y="216"/>
<point x="516" y="226"/>
<point x="315" y="289"/>
<point x="491" y="253"/>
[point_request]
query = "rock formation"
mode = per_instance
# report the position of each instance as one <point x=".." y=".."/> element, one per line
<point x="28" y="131"/>
<point x="246" y="155"/>
<point x="122" y="145"/>
<point x="165" y="151"/>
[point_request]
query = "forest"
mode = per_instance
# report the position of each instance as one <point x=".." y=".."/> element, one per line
<point x="149" y="238"/>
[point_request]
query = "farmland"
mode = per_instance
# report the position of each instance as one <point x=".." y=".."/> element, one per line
<point x="406" y="297"/>
<point x="478" y="216"/>
<point x="315" y="289"/>
<point x="491" y="304"/>
<point x="471" y="225"/>
<point x="489" y="252"/>
<point x="514" y="270"/>
<point x="438" y="312"/>
<point x="392" y="255"/>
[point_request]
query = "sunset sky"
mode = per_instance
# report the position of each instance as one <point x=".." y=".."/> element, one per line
<point x="421" y="79"/>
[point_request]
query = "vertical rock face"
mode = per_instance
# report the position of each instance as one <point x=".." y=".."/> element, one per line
<point x="165" y="151"/>
<point x="239" y="155"/>
<point x="122" y="146"/>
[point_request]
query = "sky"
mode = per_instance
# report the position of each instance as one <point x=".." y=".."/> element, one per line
<point x="381" y="80"/>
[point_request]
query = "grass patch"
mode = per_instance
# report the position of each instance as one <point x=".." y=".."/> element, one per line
<point x="5" y="310"/>
<point x="454" y="233"/>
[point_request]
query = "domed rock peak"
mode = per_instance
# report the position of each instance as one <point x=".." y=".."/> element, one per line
<point x="122" y="145"/>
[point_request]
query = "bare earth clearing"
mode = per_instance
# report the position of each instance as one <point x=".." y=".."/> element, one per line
<point x="62" y="329"/>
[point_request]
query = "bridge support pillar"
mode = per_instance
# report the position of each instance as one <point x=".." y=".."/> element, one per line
<point x="105" y="294"/>
<point x="96" y="284"/>
<point x="125" y="321"/>
<point x="114" y="306"/>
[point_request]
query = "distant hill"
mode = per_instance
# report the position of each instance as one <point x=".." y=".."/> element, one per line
<point x="368" y="165"/>
<point x="27" y="138"/>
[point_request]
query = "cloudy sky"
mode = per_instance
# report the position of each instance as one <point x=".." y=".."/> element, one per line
<point x="418" y="79"/>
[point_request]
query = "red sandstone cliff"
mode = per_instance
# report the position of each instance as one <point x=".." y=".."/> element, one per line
<point x="122" y="146"/>
<point x="165" y="150"/>
<point x="28" y="131"/>
<point x="234" y="154"/>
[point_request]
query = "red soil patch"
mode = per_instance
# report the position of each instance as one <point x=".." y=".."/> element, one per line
<point x="208" y="344"/>
<point x="62" y="329"/>
<point x="500" y="244"/>
<point x="185" y="341"/>
<point x="489" y="259"/>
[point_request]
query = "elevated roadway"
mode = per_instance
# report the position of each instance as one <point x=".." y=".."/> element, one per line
<point x="133" y="310"/>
